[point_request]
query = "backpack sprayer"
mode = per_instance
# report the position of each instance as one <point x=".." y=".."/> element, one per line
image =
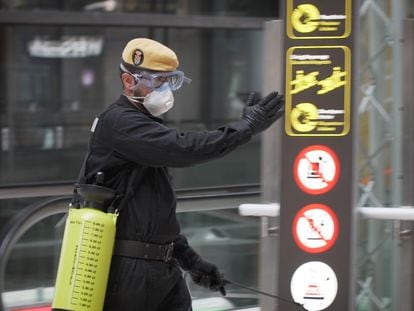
<point x="87" y="248"/>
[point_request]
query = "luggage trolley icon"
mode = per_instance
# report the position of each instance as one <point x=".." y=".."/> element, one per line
<point x="313" y="292"/>
<point x="315" y="169"/>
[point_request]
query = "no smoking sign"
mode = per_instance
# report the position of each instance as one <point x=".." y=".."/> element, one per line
<point x="316" y="169"/>
<point x="315" y="228"/>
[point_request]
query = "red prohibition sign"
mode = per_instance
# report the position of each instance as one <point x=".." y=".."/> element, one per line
<point x="315" y="228"/>
<point x="316" y="169"/>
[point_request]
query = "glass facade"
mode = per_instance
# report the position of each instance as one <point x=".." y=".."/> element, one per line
<point x="57" y="79"/>
<point x="180" y="7"/>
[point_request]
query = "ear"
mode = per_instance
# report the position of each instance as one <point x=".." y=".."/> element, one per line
<point x="127" y="80"/>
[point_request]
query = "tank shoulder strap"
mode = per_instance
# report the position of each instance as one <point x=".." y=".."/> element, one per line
<point x="121" y="199"/>
<point x="82" y="178"/>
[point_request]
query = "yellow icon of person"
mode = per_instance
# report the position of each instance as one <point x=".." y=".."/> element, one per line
<point x="337" y="79"/>
<point x="305" y="18"/>
<point x="304" y="117"/>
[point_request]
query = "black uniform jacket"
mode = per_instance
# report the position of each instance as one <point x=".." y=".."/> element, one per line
<point x="134" y="149"/>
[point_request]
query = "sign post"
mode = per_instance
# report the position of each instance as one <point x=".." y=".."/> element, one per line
<point x="317" y="155"/>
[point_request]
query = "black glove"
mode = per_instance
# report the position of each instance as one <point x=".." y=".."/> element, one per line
<point x="262" y="113"/>
<point x="202" y="272"/>
<point x="207" y="275"/>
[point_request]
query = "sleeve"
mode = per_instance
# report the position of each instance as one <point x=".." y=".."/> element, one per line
<point x="142" y="140"/>
<point x="184" y="253"/>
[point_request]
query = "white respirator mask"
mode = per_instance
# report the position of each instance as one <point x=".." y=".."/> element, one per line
<point x="157" y="102"/>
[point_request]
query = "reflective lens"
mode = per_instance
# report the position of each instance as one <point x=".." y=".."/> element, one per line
<point x="174" y="79"/>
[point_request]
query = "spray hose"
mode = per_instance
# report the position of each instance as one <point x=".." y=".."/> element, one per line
<point x="227" y="281"/>
<point x="301" y="306"/>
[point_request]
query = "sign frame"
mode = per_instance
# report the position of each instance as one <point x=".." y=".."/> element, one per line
<point x="346" y="96"/>
<point x="289" y="28"/>
<point x="311" y="87"/>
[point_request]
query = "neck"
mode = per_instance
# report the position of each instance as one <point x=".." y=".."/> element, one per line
<point x="136" y="104"/>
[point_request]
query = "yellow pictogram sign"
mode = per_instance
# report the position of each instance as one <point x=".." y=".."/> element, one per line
<point x="318" y="91"/>
<point x="311" y="20"/>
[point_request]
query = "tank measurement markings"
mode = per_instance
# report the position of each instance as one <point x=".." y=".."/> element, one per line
<point x="88" y="253"/>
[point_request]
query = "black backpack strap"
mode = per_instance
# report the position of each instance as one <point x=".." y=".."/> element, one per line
<point x="76" y="198"/>
<point x="120" y="200"/>
<point x="81" y="177"/>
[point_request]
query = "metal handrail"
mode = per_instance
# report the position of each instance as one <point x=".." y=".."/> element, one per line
<point x="19" y="225"/>
<point x="62" y="188"/>
<point x="382" y="213"/>
<point x="387" y="213"/>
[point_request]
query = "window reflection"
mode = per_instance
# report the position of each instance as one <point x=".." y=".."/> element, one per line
<point x="181" y="7"/>
<point x="56" y="80"/>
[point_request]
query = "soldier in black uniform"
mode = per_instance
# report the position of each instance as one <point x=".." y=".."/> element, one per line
<point x="133" y="148"/>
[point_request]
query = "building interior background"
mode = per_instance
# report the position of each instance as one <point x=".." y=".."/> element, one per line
<point x="59" y="67"/>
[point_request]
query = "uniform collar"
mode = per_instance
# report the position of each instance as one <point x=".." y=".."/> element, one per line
<point x="123" y="101"/>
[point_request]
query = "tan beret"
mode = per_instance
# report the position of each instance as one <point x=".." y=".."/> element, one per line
<point x="143" y="53"/>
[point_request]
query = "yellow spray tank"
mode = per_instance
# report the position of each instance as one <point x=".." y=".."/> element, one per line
<point x="86" y="252"/>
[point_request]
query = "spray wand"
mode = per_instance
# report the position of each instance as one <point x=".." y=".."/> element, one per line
<point x="301" y="306"/>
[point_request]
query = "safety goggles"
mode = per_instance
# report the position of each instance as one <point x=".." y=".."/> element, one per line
<point x="173" y="79"/>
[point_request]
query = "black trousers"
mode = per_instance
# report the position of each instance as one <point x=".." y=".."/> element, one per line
<point x="144" y="285"/>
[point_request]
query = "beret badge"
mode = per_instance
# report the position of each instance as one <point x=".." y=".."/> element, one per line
<point x="137" y="57"/>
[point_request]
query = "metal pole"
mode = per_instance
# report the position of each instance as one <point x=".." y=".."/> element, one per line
<point x="397" y="8"/>
<point x="270" y="166"/>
